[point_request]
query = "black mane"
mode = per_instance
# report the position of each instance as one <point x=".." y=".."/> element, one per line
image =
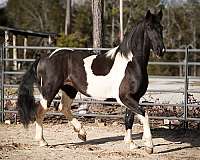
<point x="130" y="40"/>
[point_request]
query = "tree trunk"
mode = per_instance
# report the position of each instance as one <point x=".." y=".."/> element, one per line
<point x="113" y="31"/>
<point x="121" y="20"/>
<point x="14" y="53"/>
<point x="68" y="17"/>
<point x="194" y="45"/>
<point x="97" y="12"/>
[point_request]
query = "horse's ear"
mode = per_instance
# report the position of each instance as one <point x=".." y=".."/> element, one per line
<point x="160" y="14"/>
<point x="148" y="15"/>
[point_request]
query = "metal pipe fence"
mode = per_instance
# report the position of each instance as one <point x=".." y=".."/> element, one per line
<point x="185" y="79"/>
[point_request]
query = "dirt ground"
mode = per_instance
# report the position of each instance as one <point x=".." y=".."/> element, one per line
<point x="103" y="143"/>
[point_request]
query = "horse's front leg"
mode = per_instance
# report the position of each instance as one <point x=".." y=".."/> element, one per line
<point x="41" y="110"/>
<point x="129" y="118"/>
<point x="147" y="137"/>
<point x="128" y="100"/>
<point x="65" y="108"/>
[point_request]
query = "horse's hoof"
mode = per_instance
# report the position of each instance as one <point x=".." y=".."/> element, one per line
<point x="43" y="143"/>
<point x="133" y="146"/>
<point x="149" y="150"/>
<point x="76" y="130"/>
<point x="128" y="141"/>
<point x="82" y="137"/>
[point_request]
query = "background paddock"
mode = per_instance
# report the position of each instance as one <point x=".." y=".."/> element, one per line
<point x="168" y="97"/>
<point x="104" y="142"/>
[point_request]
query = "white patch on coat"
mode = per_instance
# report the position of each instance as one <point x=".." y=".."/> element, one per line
<point x="111" y="53"/>
<point x="59" y="49"/>
<point x="43" y="102"/>
<point x="39" y="131"/>
<point x="76" y="124"/>
<point x="102" y="87"/>
<point x="128" y="136"/>
<point x="147" y="132"/>
<point x="41" y="81"/>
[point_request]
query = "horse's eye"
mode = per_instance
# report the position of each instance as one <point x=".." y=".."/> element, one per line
<point x="150" y="26"/>
<point x="161" y="27"/>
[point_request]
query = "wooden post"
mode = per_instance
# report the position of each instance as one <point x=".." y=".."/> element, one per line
<point x="194" y="46"/>
<point x="49" y="40"/>
<point x="6" y="44"/>
<point x="25" y="45"/>
<point x="121" y="19"/>
<point x="113" y="31"/>
<point x="14" y="53"/>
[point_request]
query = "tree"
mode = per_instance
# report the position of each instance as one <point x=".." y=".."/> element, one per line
<point x="39" y="15"/>
<point x="97" y="12"/>
<point x="68" y="17"/>
<point x="81" y="27"/>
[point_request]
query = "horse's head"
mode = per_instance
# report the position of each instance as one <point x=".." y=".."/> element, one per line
<point x="154" y="32"/>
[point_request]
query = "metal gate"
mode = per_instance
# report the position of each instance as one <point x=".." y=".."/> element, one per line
<point x="185" y="78"/>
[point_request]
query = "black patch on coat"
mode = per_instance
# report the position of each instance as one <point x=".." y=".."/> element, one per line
<point x="78" y="73"/>
<point x="102" y="65"/>
<point x="70" y="91"/>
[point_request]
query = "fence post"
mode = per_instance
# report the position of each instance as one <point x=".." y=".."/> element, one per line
<point x="186" y="90"/>
<point x="2" y="49"/>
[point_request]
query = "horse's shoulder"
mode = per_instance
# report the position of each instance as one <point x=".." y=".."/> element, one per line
<point x="102" y="65"/>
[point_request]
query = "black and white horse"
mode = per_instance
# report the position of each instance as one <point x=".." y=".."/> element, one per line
<point x="121" y="73"/>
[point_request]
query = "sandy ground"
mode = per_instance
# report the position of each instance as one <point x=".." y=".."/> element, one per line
<point x="103" y="143"/>
<point x="170" y="84"/>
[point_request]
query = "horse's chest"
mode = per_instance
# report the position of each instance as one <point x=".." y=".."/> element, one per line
<point x="108" y="85"/>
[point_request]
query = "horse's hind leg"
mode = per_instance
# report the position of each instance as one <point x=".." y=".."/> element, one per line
<point x="65" y="108"/>
<point x="129" y="118"/>
<point x="41" y="110"/>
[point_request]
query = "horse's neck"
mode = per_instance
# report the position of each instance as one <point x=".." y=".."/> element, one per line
<point x="141" y="63"/>
<point x="142" y="50"/>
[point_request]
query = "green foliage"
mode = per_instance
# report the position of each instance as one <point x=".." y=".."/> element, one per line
<point x="37" y="15"/>
<point x="72" y="40"/>
<point x="114" y="11"/>
<point x="181" y="23"/>
<point x="82" y="19"/>
<point x="3" y="17"/>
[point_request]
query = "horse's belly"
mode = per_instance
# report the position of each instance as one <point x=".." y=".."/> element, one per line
<point x="101" y="87"/>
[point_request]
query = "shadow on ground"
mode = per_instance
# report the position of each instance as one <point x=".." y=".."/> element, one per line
<point x="178" y="136"/>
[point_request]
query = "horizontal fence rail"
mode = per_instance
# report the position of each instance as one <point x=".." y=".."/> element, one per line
<point x="185" y="80"/>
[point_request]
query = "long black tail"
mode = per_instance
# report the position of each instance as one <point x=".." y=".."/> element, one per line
<point x="26" y="102"/>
